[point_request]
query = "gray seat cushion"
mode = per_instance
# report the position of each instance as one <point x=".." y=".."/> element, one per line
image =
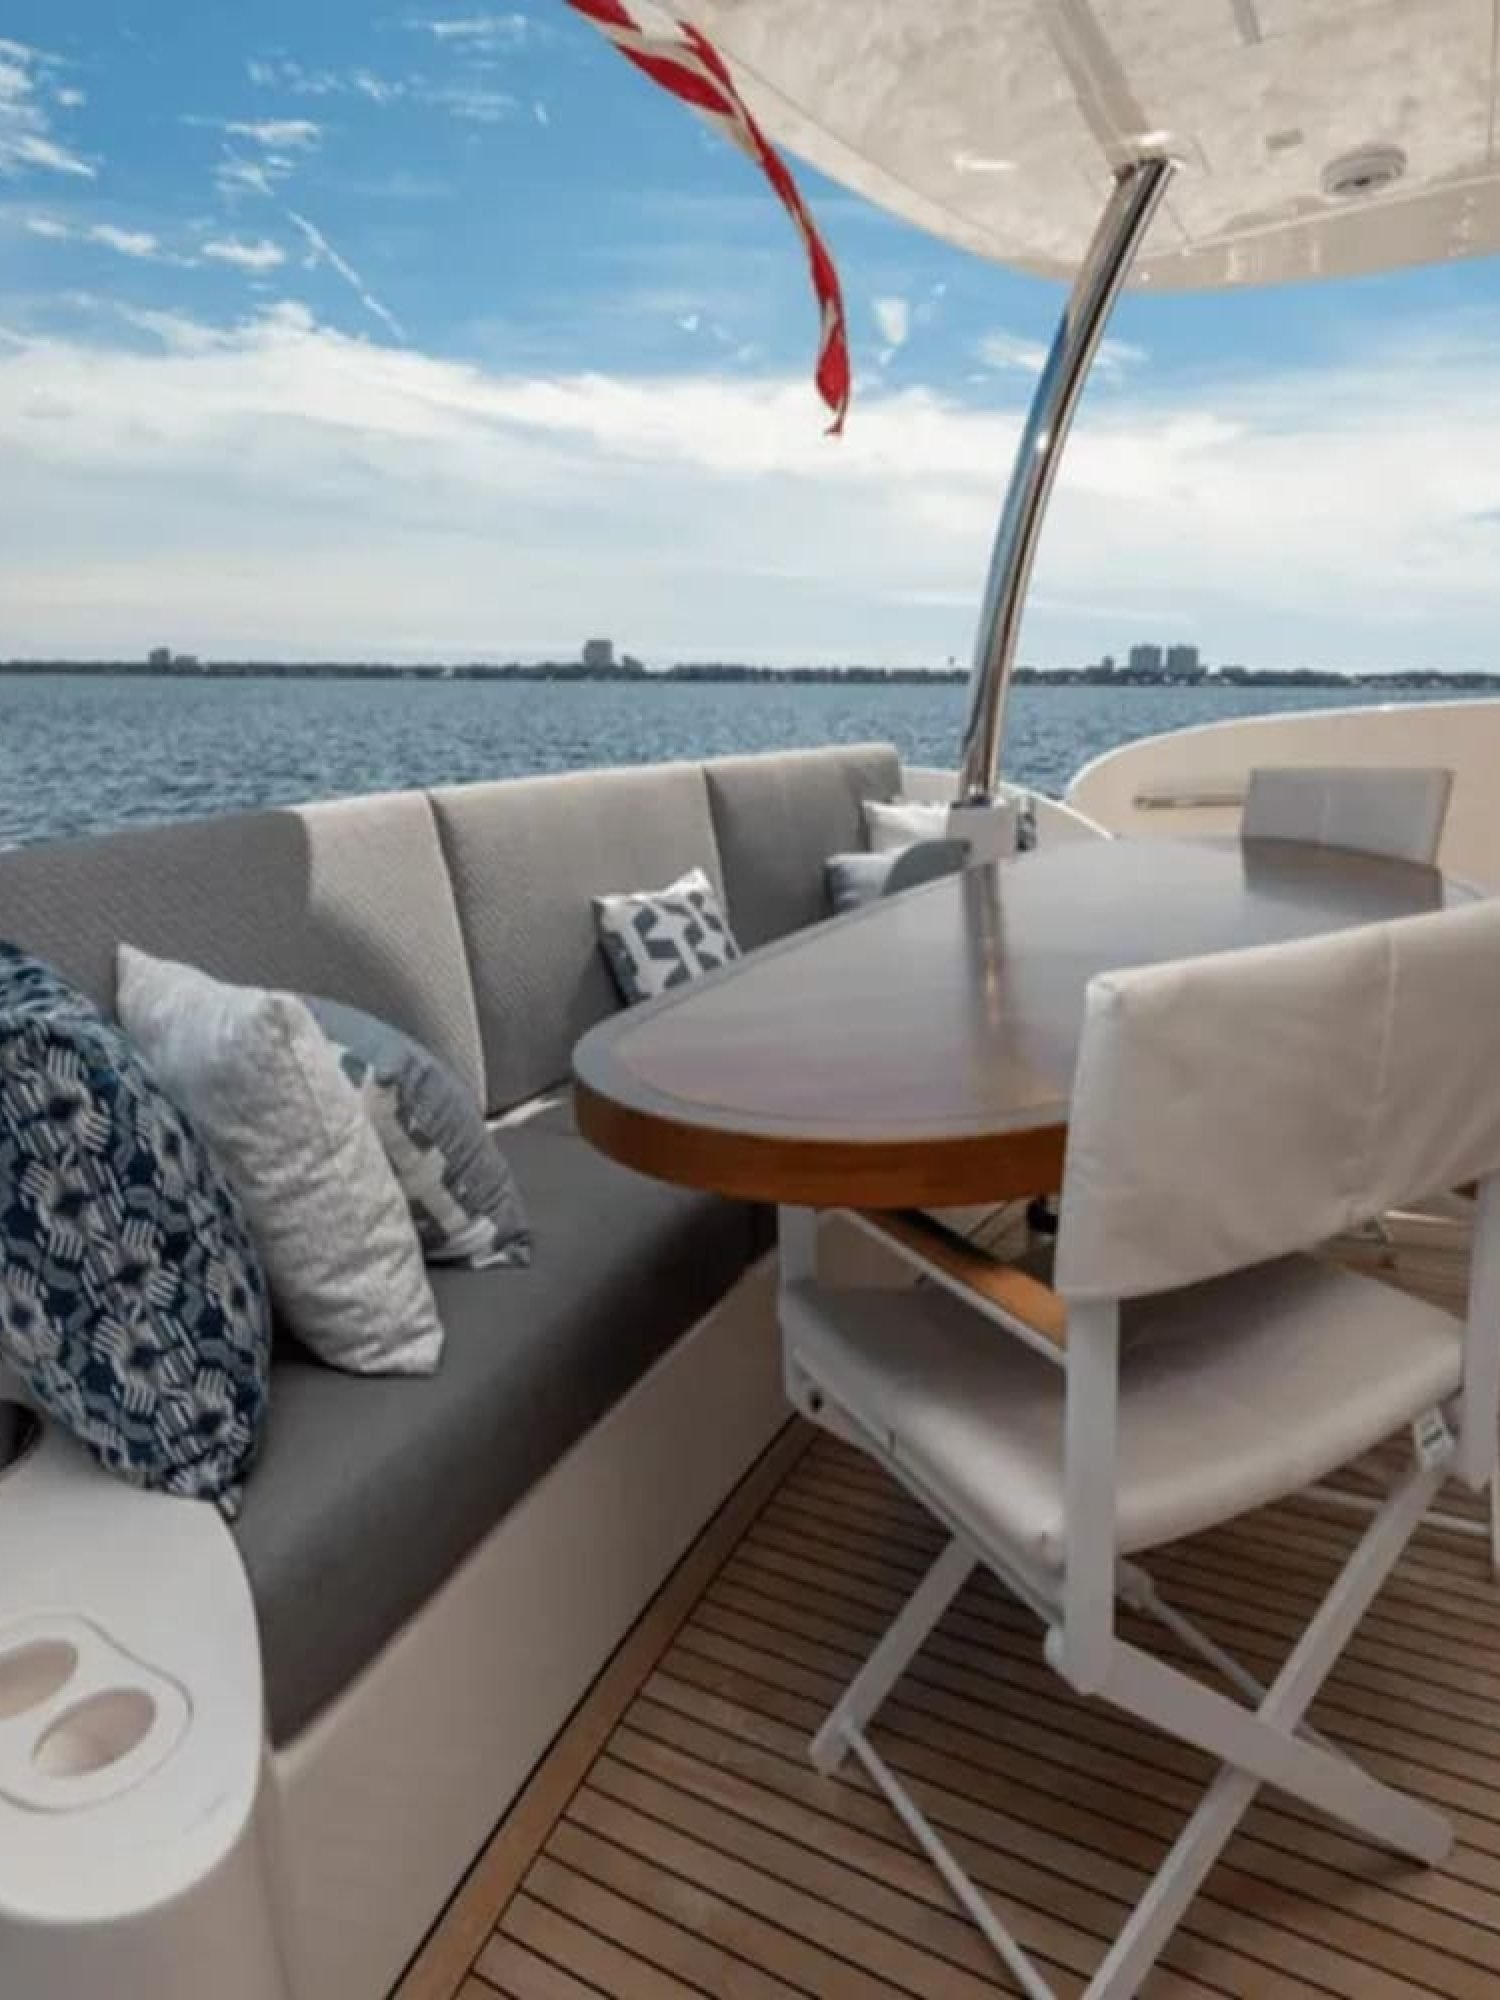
<point x="778" y="819"/>
<point x="349" y="899"/>
<point x="369" y="1491"/>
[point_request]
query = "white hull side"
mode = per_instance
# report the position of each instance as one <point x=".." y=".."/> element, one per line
<point x="389" y="1795"/>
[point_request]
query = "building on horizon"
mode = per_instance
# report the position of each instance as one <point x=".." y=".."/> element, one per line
<point x="1184" y="663"/>
<point x="598" y="655"/>
<point x="1145" y="660"/>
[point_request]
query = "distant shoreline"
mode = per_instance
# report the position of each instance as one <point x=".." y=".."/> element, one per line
<point x="731" y="674"/>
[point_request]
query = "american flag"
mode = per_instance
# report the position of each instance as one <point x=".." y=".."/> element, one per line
<point x="686" y="63"/>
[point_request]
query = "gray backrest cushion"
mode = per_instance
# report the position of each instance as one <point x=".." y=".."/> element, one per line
<point x="527" y="856"/>
<point x="779" y="818"/>
<point x="349" y="899"/>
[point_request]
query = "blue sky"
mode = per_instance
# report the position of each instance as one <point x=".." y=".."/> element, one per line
<point x="435" y="332"/>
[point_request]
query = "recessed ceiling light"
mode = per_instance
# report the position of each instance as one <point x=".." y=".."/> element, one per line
<point x="1368" y="170"/>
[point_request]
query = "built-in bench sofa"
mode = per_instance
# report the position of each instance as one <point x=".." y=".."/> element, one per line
<point x="437" y="1568"/>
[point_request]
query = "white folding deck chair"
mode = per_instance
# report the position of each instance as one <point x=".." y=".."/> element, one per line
<point x="1191" y="1364"/>
<point x="1394" y="810"/>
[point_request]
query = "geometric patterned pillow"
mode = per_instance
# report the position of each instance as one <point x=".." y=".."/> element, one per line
<point x="132" y="1304"/>
<point x="660" y="938"/>
<point x="458" y="1186"/>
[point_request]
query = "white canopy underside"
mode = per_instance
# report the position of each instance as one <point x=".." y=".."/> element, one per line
<point x="997" y="124"/>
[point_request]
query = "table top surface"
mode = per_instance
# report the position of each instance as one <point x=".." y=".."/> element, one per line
<point x="922" y="1051"/>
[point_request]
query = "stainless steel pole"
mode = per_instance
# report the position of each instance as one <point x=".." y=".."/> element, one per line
<point x="1137" y="192"/>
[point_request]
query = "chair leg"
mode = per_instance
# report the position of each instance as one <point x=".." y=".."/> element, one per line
<point x="901" y="1643"/>
<point x="1265" y="1744"/>
<point x="1486" y="1528"/>
<point x="1262" y="1743"/>
<point x="1173" y="1887"/>
<point x="969" y="1898"/>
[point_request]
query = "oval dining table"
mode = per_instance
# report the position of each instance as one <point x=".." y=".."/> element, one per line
<point x="921" y="1052"/>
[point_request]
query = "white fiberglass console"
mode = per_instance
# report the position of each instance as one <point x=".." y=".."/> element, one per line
<point x="133" y="1785"/>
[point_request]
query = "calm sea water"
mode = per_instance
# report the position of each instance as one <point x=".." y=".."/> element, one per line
<point x="83" y="755"/>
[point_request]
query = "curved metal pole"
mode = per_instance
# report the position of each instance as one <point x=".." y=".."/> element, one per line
<point x="1138" y="189"/>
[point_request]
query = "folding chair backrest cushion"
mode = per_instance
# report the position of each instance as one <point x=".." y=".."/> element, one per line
<point x="1395" y="810"/>
<point x="1227" y="1110"/>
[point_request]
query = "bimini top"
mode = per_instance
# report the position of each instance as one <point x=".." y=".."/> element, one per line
<point x="1317" y="138"/>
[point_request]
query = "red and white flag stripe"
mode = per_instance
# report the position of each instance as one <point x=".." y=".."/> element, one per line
<point x="687" y="64"/>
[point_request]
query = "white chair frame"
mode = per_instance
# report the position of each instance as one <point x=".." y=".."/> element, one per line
<point x="1265" y="1740"/>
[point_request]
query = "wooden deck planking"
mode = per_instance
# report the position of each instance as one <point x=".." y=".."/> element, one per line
<point x="678" y="1841"/>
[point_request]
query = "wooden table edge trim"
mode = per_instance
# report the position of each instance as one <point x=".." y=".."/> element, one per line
<point x="793" y="1171"/>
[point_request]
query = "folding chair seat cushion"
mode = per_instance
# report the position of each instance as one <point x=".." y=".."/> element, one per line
<point x="1232" y="1393"/>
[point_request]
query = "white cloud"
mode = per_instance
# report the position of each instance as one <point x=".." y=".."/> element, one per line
<point x="292" y="76"/>
<point x="893" y="317"/>
<point x="295" y="134"/>
<point x="284" y="74"/>
<point x="30" y="149"/>
<point x="140" y="243"/>
<point x="69" y="97"/>
<point x="279" y="487"/>
<point x="489" y="31"/>
<point x="540" y="113"/>
<point x="463" y="96"/>
<point x="379" y="89"/>
<point x="473" y="101"/>
<point x="1012" y="350"/>
<point x="236" y="177"/>
<point x="129" y="242"/>
<point x="1120" y="354"/>
<point x="262" y="255"/>
<point x="26" y="136"/>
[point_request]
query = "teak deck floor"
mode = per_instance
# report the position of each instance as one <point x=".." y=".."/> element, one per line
<point x="676" y="1840"/>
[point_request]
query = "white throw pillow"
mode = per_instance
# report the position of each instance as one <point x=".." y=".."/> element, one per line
<point x="262" y="1083"/>
<point x="991" y="833"/>
<point x="897" y="825"/>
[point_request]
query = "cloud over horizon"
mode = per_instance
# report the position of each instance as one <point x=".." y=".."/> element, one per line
<point x="277" y="486"/>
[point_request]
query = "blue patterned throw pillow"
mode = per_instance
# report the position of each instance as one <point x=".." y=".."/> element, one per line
<point x="656" y="939"/>
<point x="132" y="1304"/>
<point x="463" y="1199"/>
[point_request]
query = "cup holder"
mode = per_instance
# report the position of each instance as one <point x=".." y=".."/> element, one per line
<point x="95" y="1733"/>
<point x="32" y="1672"/>
<point x="19" y="1430"/>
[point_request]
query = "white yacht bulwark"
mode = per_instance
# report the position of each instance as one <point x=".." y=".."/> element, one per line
<point x="255" y="1754"/>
